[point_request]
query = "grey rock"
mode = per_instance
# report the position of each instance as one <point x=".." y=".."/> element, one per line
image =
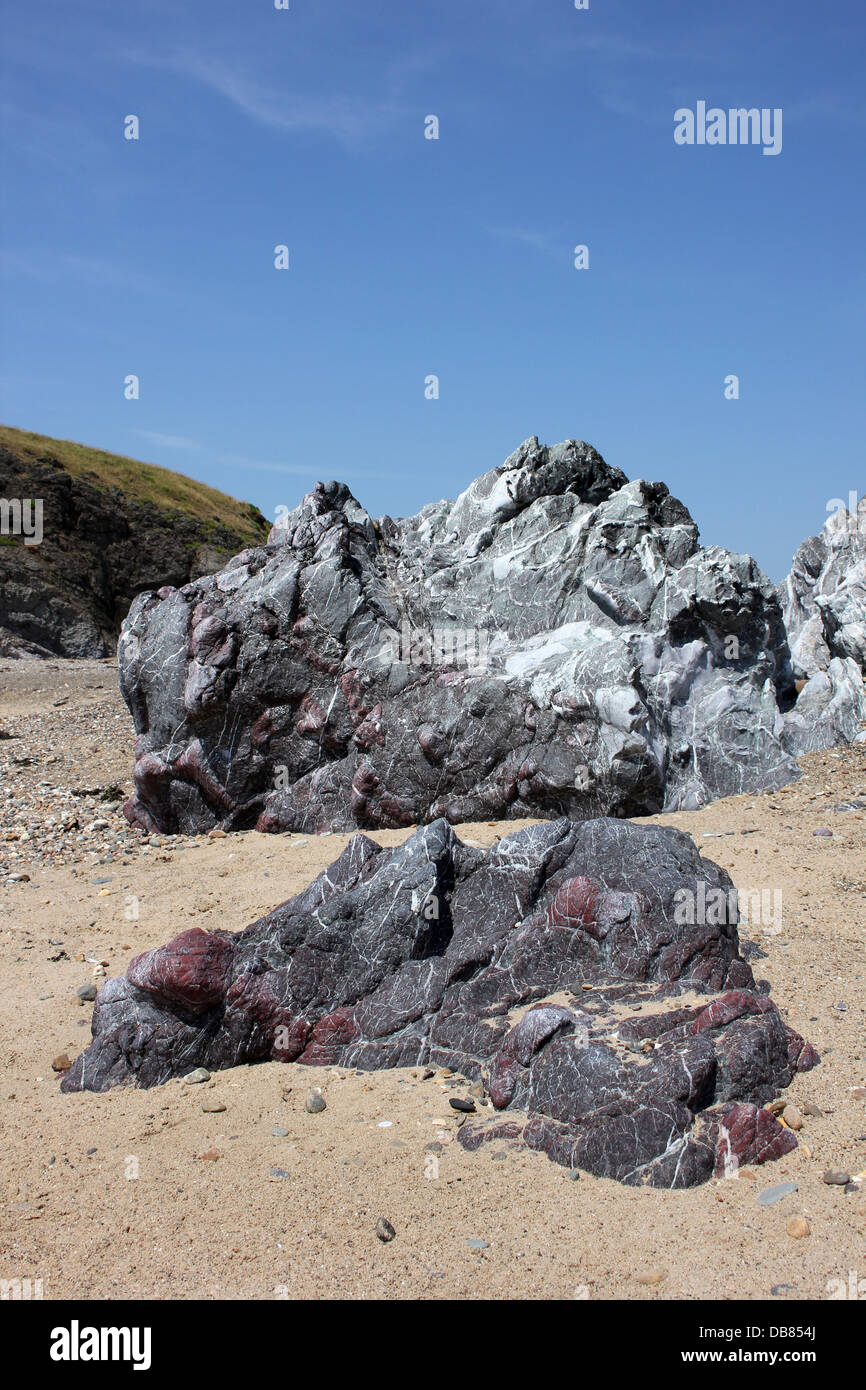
<point x="197" y="1077"/>
<point x="315" y="1104"/>
<point x="278" y="1132"/>
<point x="553" y="642"/>
<point x="384" y="1230"/>
<point x="86" y="993"/>
<point x="824" y="605"/>
<point x="771" y="1195"/>
<point x="835" y="1177"/>
<point x="351" y="973"/>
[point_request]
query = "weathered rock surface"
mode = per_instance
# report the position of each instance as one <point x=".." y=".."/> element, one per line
<point x="516" y="966"/>
<point x="554" y="642"/>
<point x="824" y="606"/>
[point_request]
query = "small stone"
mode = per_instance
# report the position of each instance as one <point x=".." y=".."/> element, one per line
<point x="195" y="1078"/>
<point x="823" y="832"/>
<point x="211" y="1155"/>
<point x="463" y="1104"/>
<point x="86" y="993"/>
<point x="813" y="1110"/>
<point x="477" y="1090"/>
<point x="315" y="1104"/>
<point x="278" y="1132"/>
<point x="216" y="834"/>
<point x="574" y="1175"/>
<point x="384" y="1230"/>
<point x="477" y="1244"/>
<point x="61" y="1063"/>
<point x="212" y="1107"/>
<point x="858" y="1093"/>
<point x="771" y="1195"/>
<point x="792" y="1117"/>
<point x="836" y="1177"/>
<point x="798" y="1227"/>
<point x="428" y="1075"/>
<point x="852" y="1187"/>
<point x="434" y="1148"/>
<point x="278" y="1173"/>
<point x="652" y="1276"/>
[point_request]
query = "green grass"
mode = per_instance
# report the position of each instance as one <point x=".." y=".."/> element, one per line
<point x="144" y="482"/>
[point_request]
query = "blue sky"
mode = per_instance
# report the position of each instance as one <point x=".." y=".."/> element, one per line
<point x="454" y="257"/>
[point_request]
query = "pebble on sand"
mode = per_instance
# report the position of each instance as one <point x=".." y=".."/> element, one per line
<point x="315" y="1104"/>
<point x="86" y="993"/>
<point x="792" y="1117"/>
<point x="195" y="1078"/>
<point x="212" y="1107"/>
<point x="798" y="1227"/>
<point x="384" y="1230"/>
<point x="771" y="1195"/>
<point x="61" y="1063"/>
<point x="836" y="1177"/>
<point x="462" y="1103"/>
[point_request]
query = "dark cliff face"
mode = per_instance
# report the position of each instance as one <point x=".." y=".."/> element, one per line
<point x="68" y="595"/>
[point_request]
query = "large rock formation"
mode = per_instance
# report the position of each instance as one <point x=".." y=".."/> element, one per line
<point x="99" y="546"/>
<point x="554" y="642"/>
<point x="521" y="965"/>
<point x="824" y="606"/>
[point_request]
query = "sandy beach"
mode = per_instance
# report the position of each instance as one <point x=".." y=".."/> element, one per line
<point x="146" y="1195"/>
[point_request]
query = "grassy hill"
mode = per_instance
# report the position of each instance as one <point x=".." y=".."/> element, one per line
<point x="113" y="528"/>
<point x="143" y="482"/>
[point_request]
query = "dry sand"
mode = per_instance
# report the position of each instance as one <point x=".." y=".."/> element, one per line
<point x="141" y="1194"/>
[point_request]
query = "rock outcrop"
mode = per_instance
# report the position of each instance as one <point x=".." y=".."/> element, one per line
<point x="824" y="606"/>
<point x="99" y="546"/>
<point x="554" y="642"/>
<point x="589" y="974"/>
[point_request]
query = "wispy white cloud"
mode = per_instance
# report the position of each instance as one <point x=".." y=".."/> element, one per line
<point x="545" y="243"/>
<point x="349" y="119"/>
<point x="169" y="441"/>
<point x="50" y="266"/>
<point x="313" y="471"/>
